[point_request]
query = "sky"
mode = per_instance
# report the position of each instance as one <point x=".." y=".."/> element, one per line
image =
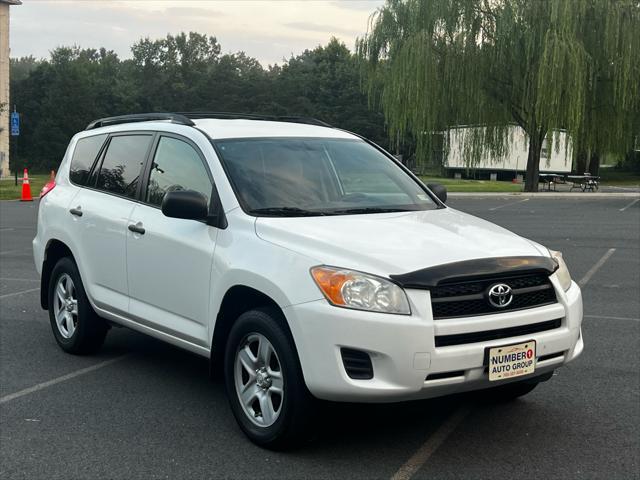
<point x="269" y="30"/>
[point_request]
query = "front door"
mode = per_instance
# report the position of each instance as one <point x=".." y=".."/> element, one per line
<point x="169" y="260"/>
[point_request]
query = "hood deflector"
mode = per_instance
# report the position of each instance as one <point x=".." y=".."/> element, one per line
<point x="474" y="270"/>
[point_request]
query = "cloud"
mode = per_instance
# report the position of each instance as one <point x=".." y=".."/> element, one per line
<point x="193" y="12"/>
<point x="362" y="5"/>
<point x="267" y="30"/>
<point x="320" y="28"/>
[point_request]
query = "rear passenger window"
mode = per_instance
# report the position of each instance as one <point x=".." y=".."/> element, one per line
<point x="84" y="155"/>
<point x="176" y="166"/>
<point x="122" y="163"/>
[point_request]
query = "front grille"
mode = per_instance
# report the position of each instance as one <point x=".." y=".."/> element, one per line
<point x="470" y="298"/>
<point x="357" y="364"/>
<point x="487" y="335"/>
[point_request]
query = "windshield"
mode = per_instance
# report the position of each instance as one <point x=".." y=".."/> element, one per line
<point x="317" y="176"/>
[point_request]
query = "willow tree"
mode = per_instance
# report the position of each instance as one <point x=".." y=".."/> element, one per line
<point x="542" y="64"/>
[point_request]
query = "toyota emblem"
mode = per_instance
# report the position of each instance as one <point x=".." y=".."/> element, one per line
<point x="500" y="295"/>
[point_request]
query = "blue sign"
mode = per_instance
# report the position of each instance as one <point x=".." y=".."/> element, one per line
<point x="15" y="124"/>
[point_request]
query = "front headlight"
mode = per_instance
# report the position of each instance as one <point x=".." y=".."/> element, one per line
<point x="562" y="272"/>
<point x="350" y="289"/>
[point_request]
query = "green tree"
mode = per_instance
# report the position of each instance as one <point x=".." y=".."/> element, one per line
<point x="186" y="72"/>
<point x="21" y="67"/>
<point x="169" y="72"/>
<point x="543" y="64"/>
<point x="238" y="83"/>
<point x="60" y="96"/>
<point x="325" y="83"/>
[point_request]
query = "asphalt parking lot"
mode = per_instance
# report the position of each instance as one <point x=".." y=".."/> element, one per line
<point x="143" y="409"/>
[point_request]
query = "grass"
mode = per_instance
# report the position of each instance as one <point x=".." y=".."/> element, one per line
<point x="609" y="176"/>
<point x="9" y="191"/>
<point x="459" y="185"/>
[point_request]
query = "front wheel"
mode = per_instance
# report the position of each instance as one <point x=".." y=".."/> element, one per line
<point x="266" y="390"/>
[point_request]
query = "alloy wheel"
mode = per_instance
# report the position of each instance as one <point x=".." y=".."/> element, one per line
<point x="65" y="306"/>
<point x="259" y="380"/>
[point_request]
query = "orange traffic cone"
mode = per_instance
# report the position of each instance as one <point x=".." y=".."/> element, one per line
<point x="26" y="188"/>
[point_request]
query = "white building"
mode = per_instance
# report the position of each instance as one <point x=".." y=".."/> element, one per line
<point x="4" y="84"/>
<point x="555" y="157"/>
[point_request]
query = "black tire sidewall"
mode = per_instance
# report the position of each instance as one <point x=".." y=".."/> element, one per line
<point x="89" y="328"/>
<point x="293" y="418"/>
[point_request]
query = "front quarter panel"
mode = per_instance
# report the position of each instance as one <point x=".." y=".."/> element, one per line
<point x="242" y="258"/>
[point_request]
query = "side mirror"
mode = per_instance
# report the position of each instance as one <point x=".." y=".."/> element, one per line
<point x="439" y="191"/>
<point x="186" y="204"/>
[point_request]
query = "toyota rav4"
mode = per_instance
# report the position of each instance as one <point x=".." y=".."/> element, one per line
<point x="302" y="260"/>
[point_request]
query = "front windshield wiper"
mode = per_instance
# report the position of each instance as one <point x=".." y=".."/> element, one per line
<point x="355" y="211"/>
<point x="286" y="212"/>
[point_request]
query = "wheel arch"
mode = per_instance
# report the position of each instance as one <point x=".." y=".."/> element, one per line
<point x="54" y="251"/>
<point x="237" y="300"/>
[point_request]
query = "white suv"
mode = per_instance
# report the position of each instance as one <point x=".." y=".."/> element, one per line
<point x="301" y="259"/>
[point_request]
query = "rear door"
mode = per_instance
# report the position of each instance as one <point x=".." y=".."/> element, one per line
<point x="169" y="260"/>
<point x="100" y="213"/>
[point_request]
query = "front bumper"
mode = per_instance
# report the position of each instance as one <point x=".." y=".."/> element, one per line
<point x="403" y="351"/>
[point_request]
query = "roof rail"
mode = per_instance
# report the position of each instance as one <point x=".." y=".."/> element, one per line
<point x="140" y="117"/>
<point x="307" y="120"/>
<point x="254" y="116"/>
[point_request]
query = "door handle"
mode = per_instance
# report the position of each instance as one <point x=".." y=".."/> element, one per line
<point x="136" y="228"/>
<point x="76" y="211"/>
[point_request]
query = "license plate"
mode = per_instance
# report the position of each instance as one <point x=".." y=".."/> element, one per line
<point x="511" y="361"/>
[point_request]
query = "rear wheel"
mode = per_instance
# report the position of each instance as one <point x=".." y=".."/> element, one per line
<point x="266" y="390"/>
<point x="75" y="325"/>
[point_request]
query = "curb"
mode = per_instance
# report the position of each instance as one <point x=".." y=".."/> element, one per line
<point x="18" y="200"/>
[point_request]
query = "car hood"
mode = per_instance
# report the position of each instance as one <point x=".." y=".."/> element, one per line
<point x="394" y="243"/>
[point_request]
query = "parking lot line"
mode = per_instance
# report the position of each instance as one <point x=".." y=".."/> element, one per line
<point x="584" y="280"/>
<point x="21" y="252"/>
<point x="605" y="317"/>
<point x="507" y="204"/>
<point x="7" y="295"/>
<point x="418" y="459"/>
<point x="9" y="279"/>
<point x="633" y="202"/>
<point x="68" y="376"/>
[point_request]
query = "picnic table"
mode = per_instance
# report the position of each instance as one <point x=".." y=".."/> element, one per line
<point x="551" y="180"/>
<point x="584" y="182"/>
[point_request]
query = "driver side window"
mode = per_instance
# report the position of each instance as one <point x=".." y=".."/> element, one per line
<point x="176" y="166"/>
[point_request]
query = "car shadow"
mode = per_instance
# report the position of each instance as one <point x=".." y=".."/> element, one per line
<point x="338" y="427"/>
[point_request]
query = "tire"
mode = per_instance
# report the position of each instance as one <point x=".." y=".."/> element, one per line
<point x="261" y="361"/>
<point x="76" y="327"/>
